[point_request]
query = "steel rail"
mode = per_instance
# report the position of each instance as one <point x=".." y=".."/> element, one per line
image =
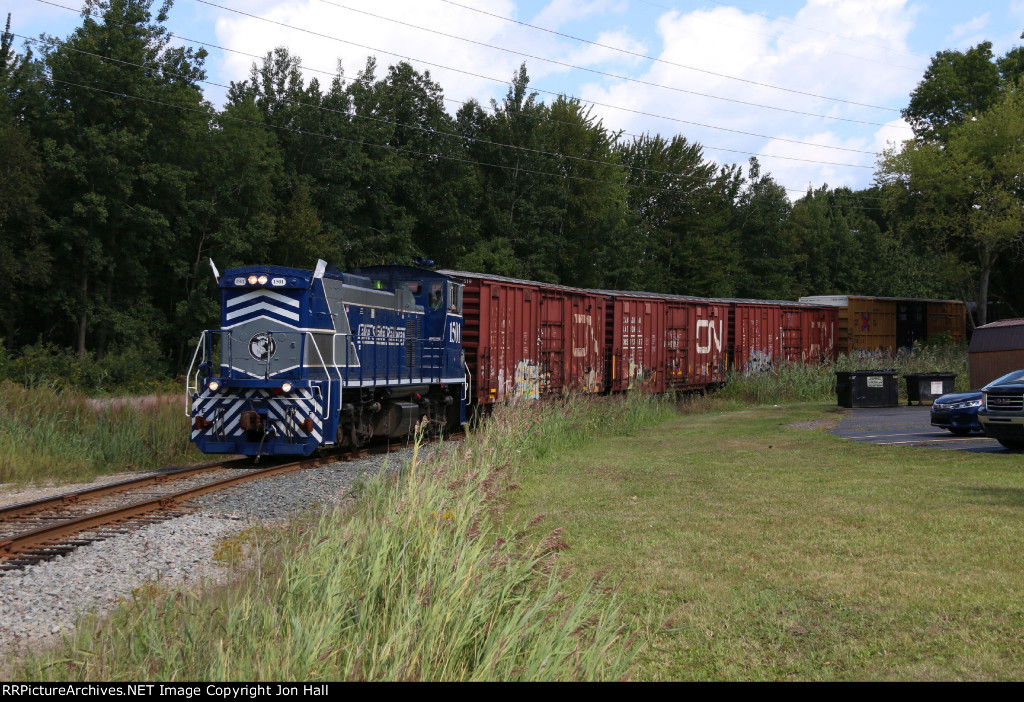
<point x="42" y="536"/>
<point x="74" y="497"/>
<point x="33" y="543"/>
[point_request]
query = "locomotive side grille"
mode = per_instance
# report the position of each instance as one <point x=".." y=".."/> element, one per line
<point x="412" y="327"/>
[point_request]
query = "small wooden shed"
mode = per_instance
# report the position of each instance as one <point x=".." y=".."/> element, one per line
<point x="995" y="350"/>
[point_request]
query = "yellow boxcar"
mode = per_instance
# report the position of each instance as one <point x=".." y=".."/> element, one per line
<point x="887" y="323"/>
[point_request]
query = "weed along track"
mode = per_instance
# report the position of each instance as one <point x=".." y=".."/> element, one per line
<point x="40" y="530"/>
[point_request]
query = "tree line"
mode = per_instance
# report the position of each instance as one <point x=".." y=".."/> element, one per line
<point x="119" y="179"/>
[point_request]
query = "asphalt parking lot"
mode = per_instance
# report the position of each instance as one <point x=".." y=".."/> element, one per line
<point x="907" y="426"/>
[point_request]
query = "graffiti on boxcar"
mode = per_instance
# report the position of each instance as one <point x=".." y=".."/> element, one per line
<point x="638" y="374"/>
<point x="527" y="381"/>
<point x="758" y="361"/>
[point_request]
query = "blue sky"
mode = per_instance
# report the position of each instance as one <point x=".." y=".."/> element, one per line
<point x="813" y="87"/>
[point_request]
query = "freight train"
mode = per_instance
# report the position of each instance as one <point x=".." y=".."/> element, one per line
<point x="310" y="359"/>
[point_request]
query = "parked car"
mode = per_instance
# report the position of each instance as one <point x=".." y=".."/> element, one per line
<point x="958" y="412"/>
<point x="1002" y="410"/>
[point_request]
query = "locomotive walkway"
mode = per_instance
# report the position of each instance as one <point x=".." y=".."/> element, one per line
<point x="907" y="426"/>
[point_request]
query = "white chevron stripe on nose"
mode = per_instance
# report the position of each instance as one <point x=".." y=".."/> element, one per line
<point x="256" y="294"/>
<point x="264" y="307"/>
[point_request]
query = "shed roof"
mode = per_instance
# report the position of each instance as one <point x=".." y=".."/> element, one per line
<point x="1004" y="335"/>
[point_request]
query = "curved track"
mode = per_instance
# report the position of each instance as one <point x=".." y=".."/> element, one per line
<point x="31" y="532"/>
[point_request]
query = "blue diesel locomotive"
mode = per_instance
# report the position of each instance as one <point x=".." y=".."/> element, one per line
<point x="308" y="359"/>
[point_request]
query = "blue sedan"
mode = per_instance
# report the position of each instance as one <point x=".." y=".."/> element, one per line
<point x="957" y="412"/>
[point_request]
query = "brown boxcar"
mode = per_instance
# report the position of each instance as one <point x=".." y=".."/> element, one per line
<point x="572" y="339"/>
<point x="888" y="323"/>
<point x="526" y="340"/>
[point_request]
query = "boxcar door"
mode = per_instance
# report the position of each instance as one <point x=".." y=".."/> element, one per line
<point x="552" y="342"/>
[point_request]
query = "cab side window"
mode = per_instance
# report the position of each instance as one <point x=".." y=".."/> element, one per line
<point x="455" y="297"/>
<point x="436" y="295"/>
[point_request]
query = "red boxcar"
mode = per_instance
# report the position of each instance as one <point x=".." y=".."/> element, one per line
<point x="634" y="334"/>
<point x="666" y="342"/>
<point x="769" y="332"/>
<point x="696" y="342"/>
<point x="526" y="340"/>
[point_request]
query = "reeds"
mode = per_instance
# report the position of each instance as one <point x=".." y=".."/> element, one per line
<point x="424" y="577"/>
<point x="47" y="434"/>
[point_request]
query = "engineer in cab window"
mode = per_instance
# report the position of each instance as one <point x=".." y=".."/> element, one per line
<point x="435" y="296"/>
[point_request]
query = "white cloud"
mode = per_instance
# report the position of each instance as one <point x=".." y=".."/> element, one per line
<point x="971" y="26"/>
<point x="561" y="12"/>
<point x="729" y="42"/>
<point x="322" y="35"/>
<point x="589" y="55"/>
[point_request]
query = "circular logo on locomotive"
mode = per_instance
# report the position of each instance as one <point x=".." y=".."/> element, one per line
<point x="262" y="347"/>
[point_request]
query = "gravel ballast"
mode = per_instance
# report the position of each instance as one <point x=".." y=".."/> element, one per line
<point x="40" y="602"/>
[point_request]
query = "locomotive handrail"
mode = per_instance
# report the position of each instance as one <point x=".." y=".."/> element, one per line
<point x="327" y="404"/>
<point x="204" y="343"/>
<point x="189" y="389"/>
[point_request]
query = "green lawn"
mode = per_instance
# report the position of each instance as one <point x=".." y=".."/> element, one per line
<point x="749" y="548"/>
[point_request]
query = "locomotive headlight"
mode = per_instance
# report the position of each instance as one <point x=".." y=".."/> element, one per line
<point x="252" y="280"/>
<point x="213" y="386"/>
<point x="286" y="387"/>
<point x="262" y="280"/>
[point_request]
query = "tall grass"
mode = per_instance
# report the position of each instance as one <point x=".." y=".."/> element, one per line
<point x="47" y="434"/>
<point x="813" y="382"/>
<point x="424" y="577"/>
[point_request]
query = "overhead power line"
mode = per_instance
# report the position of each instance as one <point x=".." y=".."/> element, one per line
<point x="801" y="26"/>
<point x="459" y="102"/>
<point x="417" y="127"/>
<point x="538" y="90"/>
<point x="414" y="152"/>
<point x="615" y="75"/>
<point x="660" y="60"/>
<point x="532" y="117"/>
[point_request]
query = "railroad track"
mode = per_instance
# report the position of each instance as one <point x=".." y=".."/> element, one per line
<point x="40" y="530"/>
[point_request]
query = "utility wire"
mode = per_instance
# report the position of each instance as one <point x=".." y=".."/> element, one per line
<point x="368" y="83"/>
<point x="433" y="131"/>
<point x="538" y="90"/>
<point x="659" y="60"/>
<point x="554" y="121"/>
<point x="801" y="26"/>
<point x="360" y="142"/>
<point x="621" y="77"/>
<point x="432" y="155"/>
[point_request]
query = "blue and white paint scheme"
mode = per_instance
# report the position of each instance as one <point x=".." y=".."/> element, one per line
<point x="308" y="359"/>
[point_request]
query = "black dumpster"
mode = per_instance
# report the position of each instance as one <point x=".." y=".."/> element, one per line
<point x="868" y="388"/>
<point x="928" y="386"/>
